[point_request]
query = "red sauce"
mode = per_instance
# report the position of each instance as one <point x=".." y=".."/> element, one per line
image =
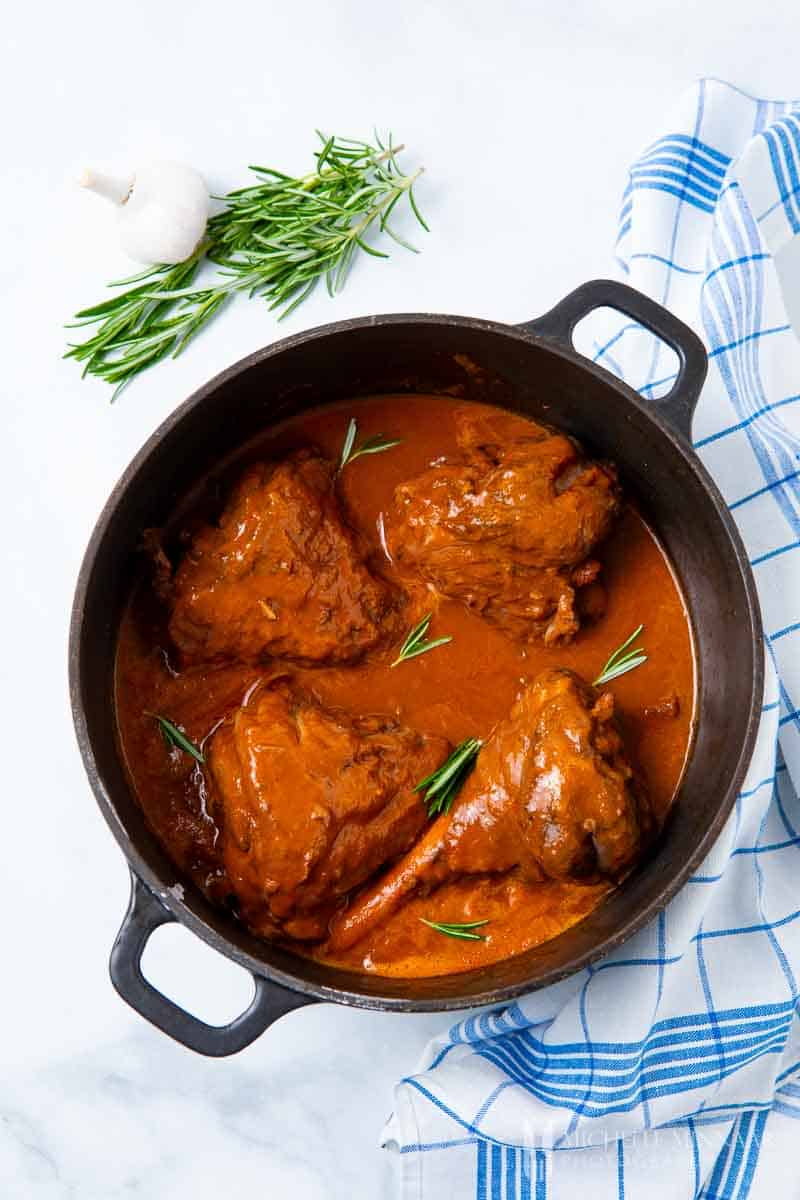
<point x="457" y="691"/>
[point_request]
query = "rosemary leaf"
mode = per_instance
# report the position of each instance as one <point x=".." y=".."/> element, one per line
<point x="625" y="658"/>
<point x="173" y="736"/>
<point x="458" y="929"/>
<point x="442" y="785"/>
<point x="349" y="442"/>
<point x="374" y="445"/>
<point x="415" y="643"/>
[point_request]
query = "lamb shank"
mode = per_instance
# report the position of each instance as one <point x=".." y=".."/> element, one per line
<point x="551" y="797"/>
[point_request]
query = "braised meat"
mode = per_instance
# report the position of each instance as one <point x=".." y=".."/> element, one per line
<point x="281" y="574"/>
<point x="509" y="527"/>
<point x="551" y="796"/>
<point x="310" y="804"/>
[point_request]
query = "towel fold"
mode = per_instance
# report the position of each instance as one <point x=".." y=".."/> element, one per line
<point x="672" y="1068"/>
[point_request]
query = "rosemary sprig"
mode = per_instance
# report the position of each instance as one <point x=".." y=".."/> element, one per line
<point x="373" y="445"/>
<point x="458" y="929"/>
<point x="275" y="239"/>
<point x="142" y="325"/>
<point x="443" y="784"/>
<point x="415" y="642"/>
<point x="173" y="736"/>
<point x="278" y="238"/>
<point x="623" y="659"/>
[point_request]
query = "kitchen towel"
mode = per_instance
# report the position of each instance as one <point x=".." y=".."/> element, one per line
<point x="672" y="1068"/>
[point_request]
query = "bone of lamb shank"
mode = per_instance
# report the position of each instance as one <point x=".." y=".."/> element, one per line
<point x="279" y="575"/>
<point x="508" y="528"/>
<point x="310" y="804"/>
<point x="551" y="796"/>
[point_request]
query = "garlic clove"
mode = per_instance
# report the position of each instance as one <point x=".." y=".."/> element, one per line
<point x="163" y="210"/>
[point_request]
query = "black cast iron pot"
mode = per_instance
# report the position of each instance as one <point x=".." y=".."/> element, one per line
<point x="531" y="367"/>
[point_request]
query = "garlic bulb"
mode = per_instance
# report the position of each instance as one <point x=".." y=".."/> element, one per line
<point x="163" y="210"/>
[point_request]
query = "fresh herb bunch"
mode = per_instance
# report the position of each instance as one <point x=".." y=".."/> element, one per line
<point x="275" y="240"/>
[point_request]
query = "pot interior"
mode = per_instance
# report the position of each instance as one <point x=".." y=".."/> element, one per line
<point x="494" y="364"/>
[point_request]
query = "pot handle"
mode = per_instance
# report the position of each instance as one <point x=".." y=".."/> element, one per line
<point x="678" y="406"/>
<point x="145" y="914"/>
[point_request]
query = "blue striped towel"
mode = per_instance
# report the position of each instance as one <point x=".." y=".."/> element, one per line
<point x="672" y="1068"/>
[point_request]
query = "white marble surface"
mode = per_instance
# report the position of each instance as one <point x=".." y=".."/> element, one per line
<point x="525" y="118"/>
